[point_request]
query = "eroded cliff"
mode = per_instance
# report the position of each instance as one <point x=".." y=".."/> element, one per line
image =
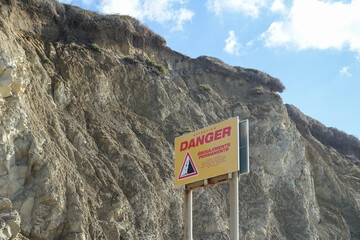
<point x="87" y="137"/>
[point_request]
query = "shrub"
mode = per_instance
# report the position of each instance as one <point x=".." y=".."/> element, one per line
<point x="95" y="47"/>
<point x="185" y="130"/>
<point x="75" y="47"/>
<point x="158" y="67"/>
<point x="257" y="90"/>
<point x="161" y="68"/>
<point x="46" y="60"/>
<point x="130" y="60"/>
<point x="271" y="83"/>
<point x="205" y="87"/>
<point x="56" y="44"/>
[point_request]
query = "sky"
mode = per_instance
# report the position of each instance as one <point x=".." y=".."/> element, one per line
<point x="312" y="46"/>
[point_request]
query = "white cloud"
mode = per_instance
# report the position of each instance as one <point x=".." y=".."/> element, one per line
<point x="183" y="16"/>
<point x="278" y="6"/>
<point x="123" y="7"/>
<point x="162" y="11"/>
<point x="250" y="43"/>
<point x="87" y="2"/>
<point x="345" y="71"/>
<point x="248" y="7"/>
<point x="232" y="45"/>
<point x="314" y="24"/>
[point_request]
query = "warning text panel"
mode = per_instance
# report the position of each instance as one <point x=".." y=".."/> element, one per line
<point x="207" y="153"/>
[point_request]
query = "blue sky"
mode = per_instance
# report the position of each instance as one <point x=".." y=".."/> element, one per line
<point x="312" y="46"/>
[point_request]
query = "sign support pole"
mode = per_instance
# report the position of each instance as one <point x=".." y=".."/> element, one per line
<point x="234" y="206"/>
<point x="188" y="215"/>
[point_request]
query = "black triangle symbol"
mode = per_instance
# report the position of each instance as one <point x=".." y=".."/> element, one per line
<point x="190" y="169"/>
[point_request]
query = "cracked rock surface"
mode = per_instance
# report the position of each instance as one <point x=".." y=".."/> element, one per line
<point x="86" y="137"/>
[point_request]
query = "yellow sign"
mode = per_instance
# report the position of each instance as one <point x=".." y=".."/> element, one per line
<point x="207" y="153"/>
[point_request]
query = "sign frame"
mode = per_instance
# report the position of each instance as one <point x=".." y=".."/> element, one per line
<point x="217" y="151"/>
<point x="243" y="166"/>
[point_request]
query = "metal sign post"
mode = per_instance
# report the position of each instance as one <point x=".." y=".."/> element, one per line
<point x="234" y="206"/>
<point x="188" y="215"/>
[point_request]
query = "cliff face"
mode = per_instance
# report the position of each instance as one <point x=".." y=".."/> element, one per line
<point x="87" y="137"/>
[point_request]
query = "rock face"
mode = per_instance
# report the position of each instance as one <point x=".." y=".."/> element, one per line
<point x="87" y="137"/>
<point x="9" y="219"/>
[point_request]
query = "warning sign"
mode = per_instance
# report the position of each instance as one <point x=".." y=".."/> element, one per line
<point x="207" y="153"/>
<point x="188" y="168"/>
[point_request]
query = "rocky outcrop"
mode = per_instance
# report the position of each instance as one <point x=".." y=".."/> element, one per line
<point x="87" y="137"/>
<point x="10" y="221"/>
<point x="347" y="145"/>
